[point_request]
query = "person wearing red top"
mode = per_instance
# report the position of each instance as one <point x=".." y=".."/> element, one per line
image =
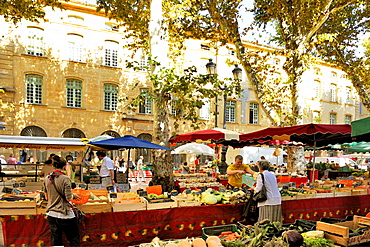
<point x="197" y="164"/>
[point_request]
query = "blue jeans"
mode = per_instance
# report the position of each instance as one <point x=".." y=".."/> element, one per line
<point x="68" y="226"/>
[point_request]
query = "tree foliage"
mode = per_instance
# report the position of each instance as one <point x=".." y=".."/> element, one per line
<point x="32" y="10"/>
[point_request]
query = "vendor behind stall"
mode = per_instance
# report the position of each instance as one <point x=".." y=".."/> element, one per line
<point x="235" y="172"/>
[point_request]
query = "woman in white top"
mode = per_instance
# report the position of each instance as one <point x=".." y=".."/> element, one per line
<point x="271" y="208"/>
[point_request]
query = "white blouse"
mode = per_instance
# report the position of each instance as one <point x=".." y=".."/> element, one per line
<point x="273" y="194"/>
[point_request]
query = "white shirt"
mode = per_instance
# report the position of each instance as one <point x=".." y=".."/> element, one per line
<point x="273" y="193"/>
<point x="2" y="161"/>
<point x="140" y="164"/>
<point x="106" y="165"/>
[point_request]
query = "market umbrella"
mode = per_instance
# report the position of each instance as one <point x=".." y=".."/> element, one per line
<point x="194" y="148"/>
<point x="217" y="135"/>
<point x="127" y="142"/>
<point x="310" y="134"/>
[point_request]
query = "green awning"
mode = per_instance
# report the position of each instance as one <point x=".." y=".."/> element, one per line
<point x="360" y="148"/>
<point x="360" y="127"/>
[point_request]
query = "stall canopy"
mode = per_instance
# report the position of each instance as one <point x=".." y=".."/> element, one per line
<point x="360" y="148"/>
<point x="194" y="148"/>
<point x="310" y="134"/>
<point x="41" y="143"/>
<point x="361" y="129"/>
<point x="217" y="135"/>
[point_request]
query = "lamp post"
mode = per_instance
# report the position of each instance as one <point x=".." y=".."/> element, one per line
<point x="237" y="73"/>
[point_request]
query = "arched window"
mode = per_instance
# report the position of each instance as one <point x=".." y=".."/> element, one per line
<point x="73" y="133"/>
<point x="33" y="131"/>
<point x="75" y="20"/>
<point x="111" y="133"/>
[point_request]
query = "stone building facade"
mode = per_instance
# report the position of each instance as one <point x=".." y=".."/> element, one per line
<point x="65" y="77"/>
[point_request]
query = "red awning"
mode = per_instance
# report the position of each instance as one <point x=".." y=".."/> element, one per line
<point x="309" y="134"/>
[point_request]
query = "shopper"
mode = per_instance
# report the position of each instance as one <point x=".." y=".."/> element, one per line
<point x="235" y="172"/>
<point x="140" y="171"/>
<point x="185" y="168"/>
<point x="106" y="170"/>
<point x="47" y="169"/>
<point x="12" y="160"/>
<point x="2" y="159"/>
<point x="271" y="208"/>
<point x="197" y="164"/>
<point x="60" y="217"/>
<point x="131" y="169"/>
<point x="71" y="170"/>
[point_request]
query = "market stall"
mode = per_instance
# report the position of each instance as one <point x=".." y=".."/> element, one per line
<point x="132" y="228"/>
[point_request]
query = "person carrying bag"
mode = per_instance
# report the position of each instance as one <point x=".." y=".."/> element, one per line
<point x="60" y="215"/>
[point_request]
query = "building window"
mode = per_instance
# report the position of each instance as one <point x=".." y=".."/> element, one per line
<point x="35" y="44"/>
<point x="110" y="97"/>
<point x="253" y="113"/>
<point x="74" y="93"/>
<point x="33" y="131"/>
<point x="34" y="89"/>
<point x="333" y="118"/>
<point x="316" y="89"/>
<point x="317" y="71"/>
<point x="348" y="95"/>
<point x="348" y="119"/>
<point x="146" y="107"/>
<point x="75" y="20"/>
<point x="230" y="111"/>
<point x="230" y="52"/>
<point x="75" y="43"/>
<point x="111" y="53"/>
<point x="276" y="61"/>
<point x="333" y="74"/>
<point x="316" y="117"/>
<point x="333" y="92"/>
<point x="205" y="47"/>
<point x="144" y="65"/>
<point x="111" y="27"/>
<point x="73" y="133"/>
<point x="205" y="110"/>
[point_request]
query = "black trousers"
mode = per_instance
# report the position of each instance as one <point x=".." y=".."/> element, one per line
<point x="68" y="226"/>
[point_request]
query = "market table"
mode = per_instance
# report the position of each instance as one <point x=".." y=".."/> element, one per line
<point x="132" y="228"/>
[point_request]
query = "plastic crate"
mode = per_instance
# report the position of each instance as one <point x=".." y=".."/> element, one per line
<point x="217" y="230"/>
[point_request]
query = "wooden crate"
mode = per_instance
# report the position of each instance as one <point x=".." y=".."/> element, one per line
<point x="160" y="205"/>
<point x="128" y="205"/>
<point x="97" y="206"/>
<point x="339" y="232"/>
<point x="359" y="192"/>
<point x="183" y="201"/>
<point x="289" y="198"/>
<point x="19" y="207"/>
<point x="310" y="195"/>
<point x="324" y="195"/>
<point x="342" y="192"/>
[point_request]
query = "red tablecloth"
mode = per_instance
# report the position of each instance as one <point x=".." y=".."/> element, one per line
<point x="132" y="228"/>
<point x="124" y="228"/>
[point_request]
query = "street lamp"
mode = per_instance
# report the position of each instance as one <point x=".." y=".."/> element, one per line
<point x="211" y="70"/>
<point x="237" y="72"/>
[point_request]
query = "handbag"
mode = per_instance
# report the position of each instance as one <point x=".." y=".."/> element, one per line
<point x="79" y="214"/>
<point x="261" y="195"/>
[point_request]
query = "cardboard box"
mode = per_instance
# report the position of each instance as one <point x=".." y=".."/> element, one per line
<point x="119" y="205"/>
<point x="339" y="232"/>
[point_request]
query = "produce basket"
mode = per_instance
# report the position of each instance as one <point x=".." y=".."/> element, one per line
<point x="83" y="194"/>
<point x="217" y="230"/>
